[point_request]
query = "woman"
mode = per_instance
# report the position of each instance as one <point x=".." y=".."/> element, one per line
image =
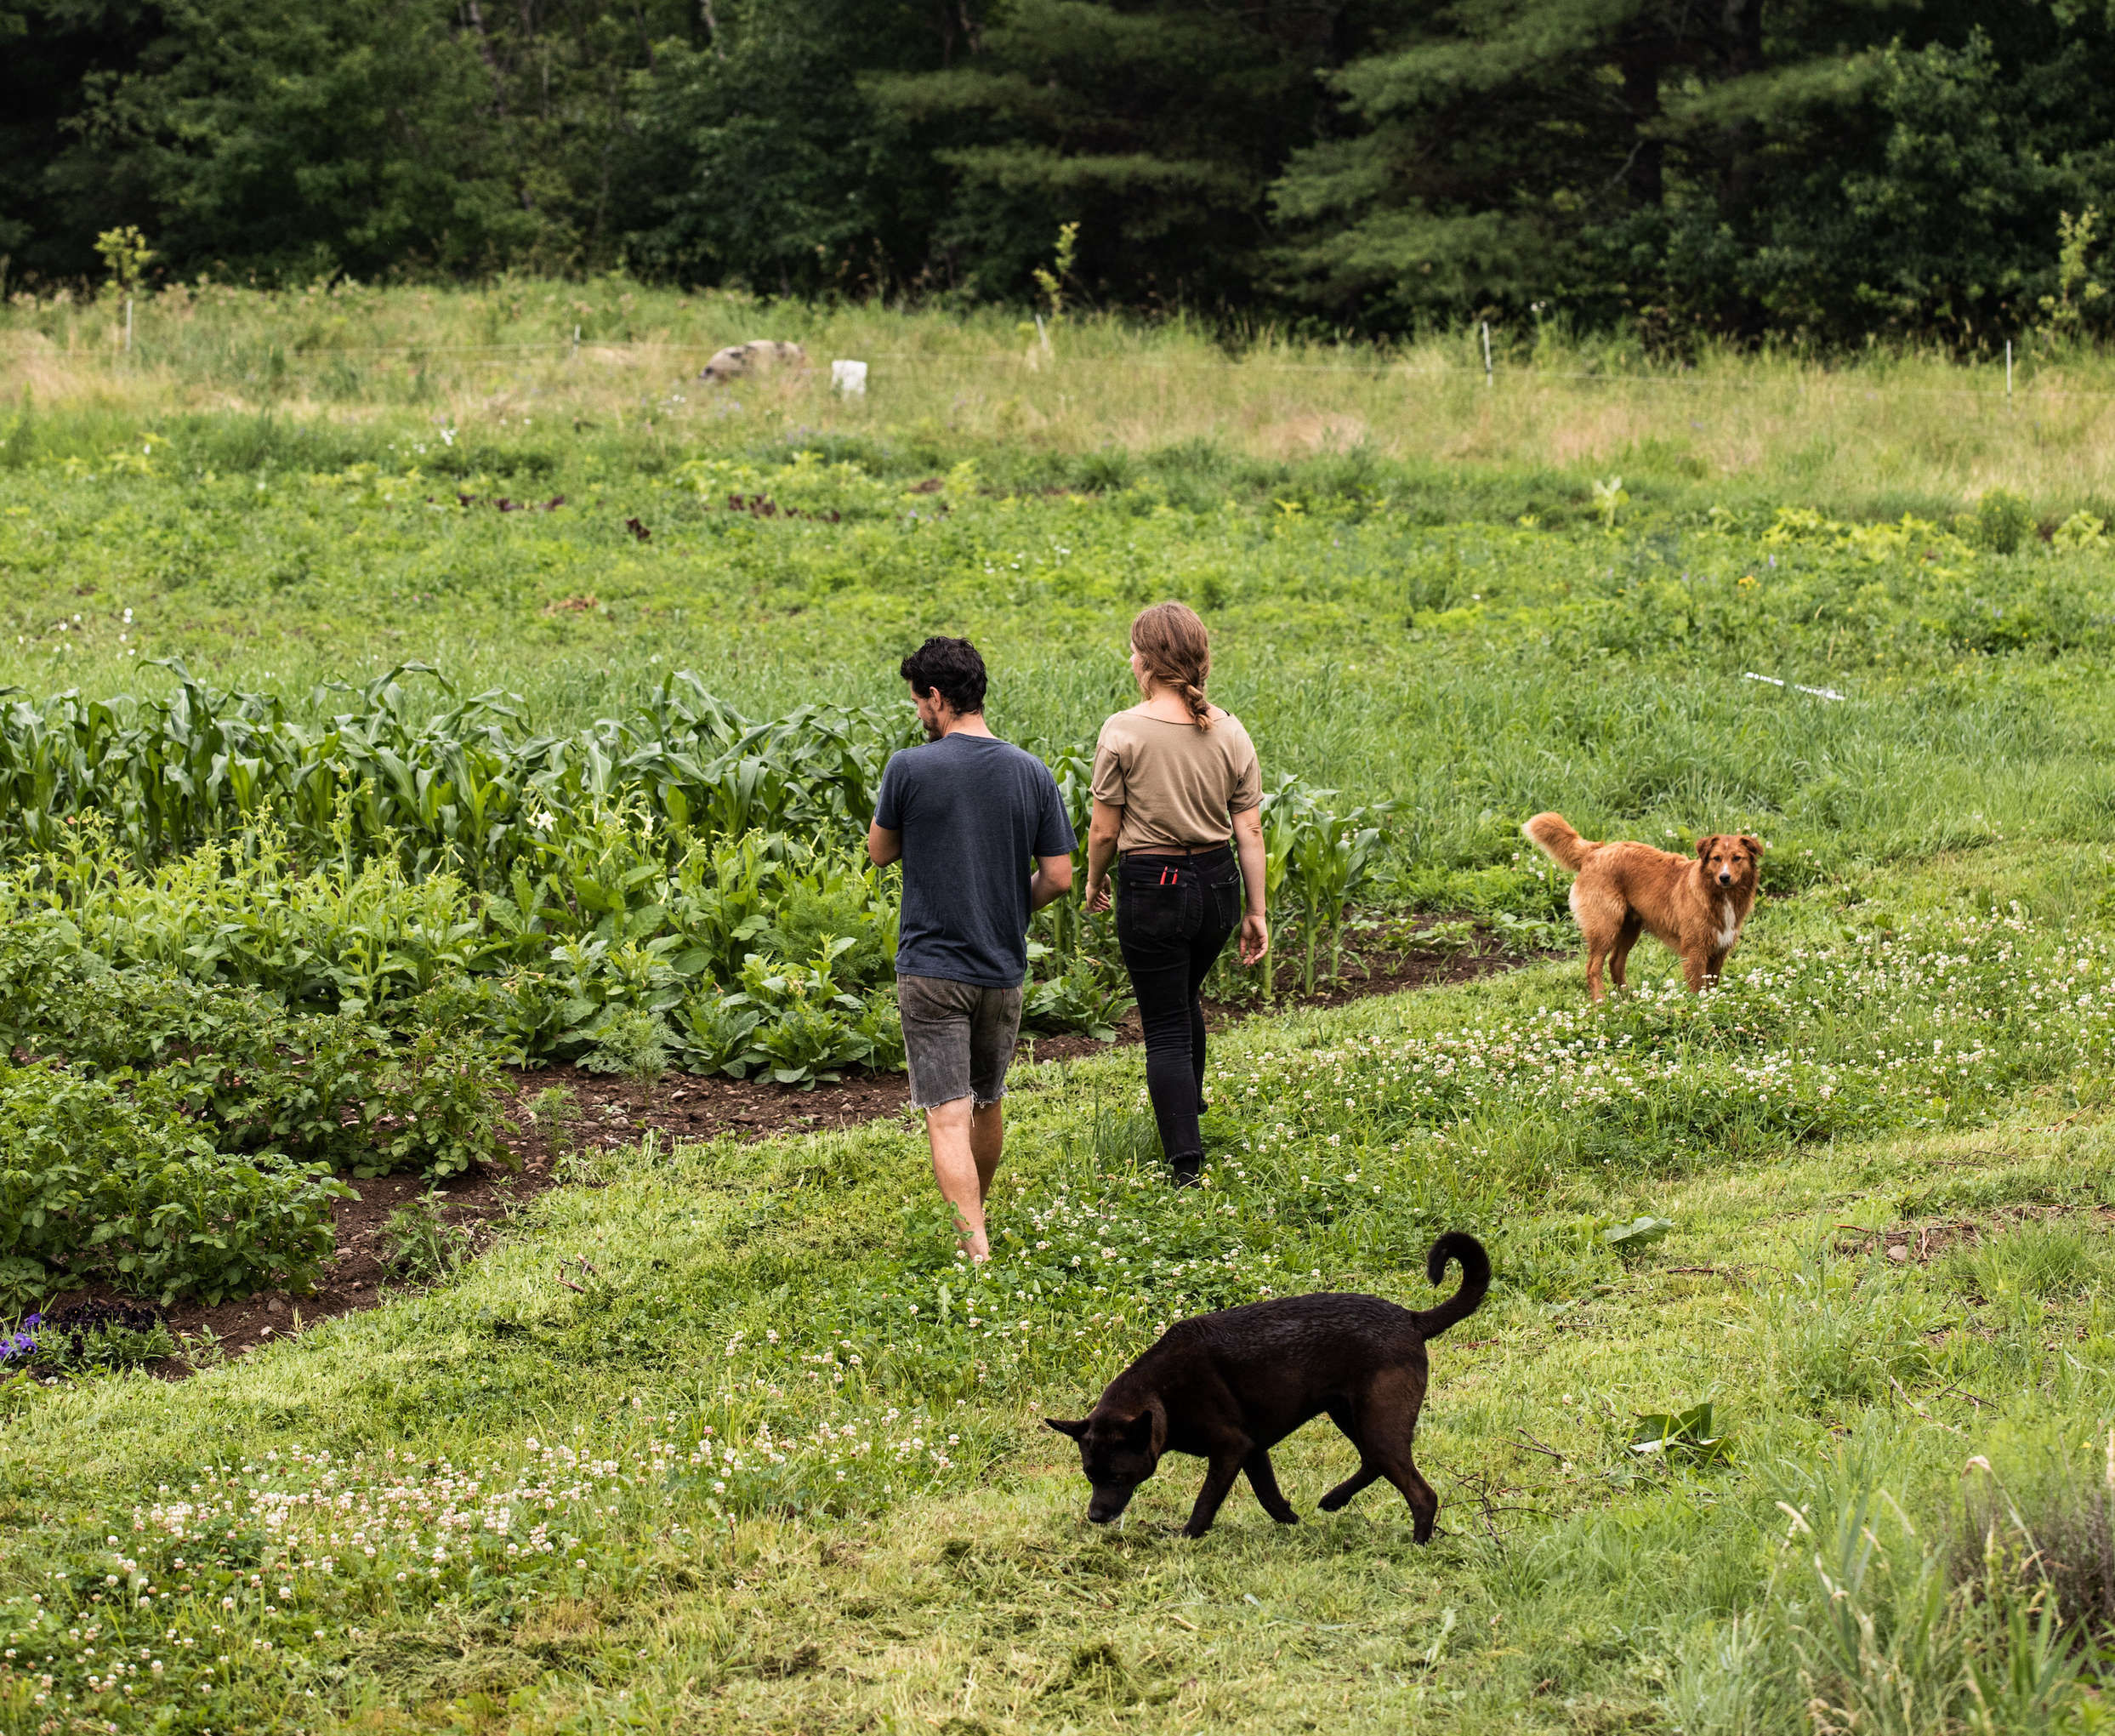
<point x="1175" y="778"/>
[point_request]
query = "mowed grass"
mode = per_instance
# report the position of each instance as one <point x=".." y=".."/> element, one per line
<point x="896" y="1542"/>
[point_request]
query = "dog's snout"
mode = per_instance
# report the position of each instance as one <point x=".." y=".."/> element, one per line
<point x="1725" y="877"/>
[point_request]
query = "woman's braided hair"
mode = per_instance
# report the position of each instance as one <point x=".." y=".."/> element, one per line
<point x="1177" y="652"/>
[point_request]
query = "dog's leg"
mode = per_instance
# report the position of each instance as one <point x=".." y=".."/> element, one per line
<point x="1619" y="955"/>
<point x="1712" y="967"/>
<point x="1218" y="1479"/>
<point x="1424" y="1503"/>
<point x="1392" y="1457"/>
<point x="1390" y="1419"/>
<point x="1595" y="950"/>
<point x="1347" y="1422"/>
<point x="1694" y="968"/>
<point x="1340" y="1496"/>
<point x="1265" y="1481"/>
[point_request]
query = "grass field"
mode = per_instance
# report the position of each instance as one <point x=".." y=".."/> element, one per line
<point x="723" y="1438"/>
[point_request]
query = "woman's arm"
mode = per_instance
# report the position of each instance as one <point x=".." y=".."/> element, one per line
<point x="1101" y="850"/>
<point x="1255" y="926"/>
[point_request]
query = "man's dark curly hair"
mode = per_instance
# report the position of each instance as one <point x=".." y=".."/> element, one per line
<point x="950" y="668"/>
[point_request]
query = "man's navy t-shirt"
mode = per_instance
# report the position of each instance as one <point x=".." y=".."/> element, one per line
<point x="972" y="810"/>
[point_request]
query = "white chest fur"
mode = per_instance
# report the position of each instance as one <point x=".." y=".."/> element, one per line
<point x="1729" y="928"/>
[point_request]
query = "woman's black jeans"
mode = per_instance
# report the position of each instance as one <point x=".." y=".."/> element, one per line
<point x="1174" y="916"/>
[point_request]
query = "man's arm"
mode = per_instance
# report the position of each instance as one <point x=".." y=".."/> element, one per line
<point x="1053" y="880"/>
<point x="885" y="832"/>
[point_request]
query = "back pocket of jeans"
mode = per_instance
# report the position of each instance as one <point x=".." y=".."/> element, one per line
<point x="1146" y="908"/>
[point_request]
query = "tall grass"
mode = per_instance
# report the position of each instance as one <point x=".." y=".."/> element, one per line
<point x="1910" y="428"/>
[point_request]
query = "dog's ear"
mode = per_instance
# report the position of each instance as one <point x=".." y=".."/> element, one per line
<point x="1074" y="1429"/>
<point x="1149" y="1429"/>
<point x="1755" y="845"/>
<point x="1706" y="845"/>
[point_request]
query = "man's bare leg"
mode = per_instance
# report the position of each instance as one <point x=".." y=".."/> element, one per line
<point x="949" y="1130"/>
<point x="987" y="1130"/>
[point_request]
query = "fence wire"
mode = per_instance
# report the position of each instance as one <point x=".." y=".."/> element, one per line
<point x="1377" y="372"/>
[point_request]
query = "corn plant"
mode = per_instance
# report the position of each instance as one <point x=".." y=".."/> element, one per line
<point x="468" y="789"/>
<point x="1319" y="861"/>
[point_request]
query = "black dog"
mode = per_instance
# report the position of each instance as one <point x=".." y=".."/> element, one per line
<point x="1229" y="1386"/>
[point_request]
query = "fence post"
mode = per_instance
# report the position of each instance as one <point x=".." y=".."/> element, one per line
<point x="575" y="355"/>
<point x="1488" y="379"/>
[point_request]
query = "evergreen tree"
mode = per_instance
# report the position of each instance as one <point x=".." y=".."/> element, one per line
<point x="53" y="54"/>
<point x="1734" y="166"/>
<point x="762" y="158"/>
<point x="1156" y="125"/>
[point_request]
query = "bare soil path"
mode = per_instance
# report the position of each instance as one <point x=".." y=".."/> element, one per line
<point x="683" y="1107"/>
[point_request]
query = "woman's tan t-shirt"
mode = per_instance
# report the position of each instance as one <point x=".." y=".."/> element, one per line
<point x="1179" y="785"/>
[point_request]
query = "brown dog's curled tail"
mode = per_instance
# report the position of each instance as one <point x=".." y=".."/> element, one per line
<point x="1475" y="1281"/>
<point x="1552" y="835"/>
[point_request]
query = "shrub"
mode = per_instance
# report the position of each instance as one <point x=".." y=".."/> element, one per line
<point x="338" y="1088"/>
<point x="90" y="1336"/>
<point x="2001" y="522"/>
<point x="105" y="1180"/>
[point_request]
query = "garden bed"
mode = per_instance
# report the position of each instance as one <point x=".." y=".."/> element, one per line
<point x="615" y="1112"/>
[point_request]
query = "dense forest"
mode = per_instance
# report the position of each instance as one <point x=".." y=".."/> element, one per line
<point x="1929" y="168"/>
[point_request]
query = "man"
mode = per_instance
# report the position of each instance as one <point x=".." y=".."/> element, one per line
<point x="963" y="813"/>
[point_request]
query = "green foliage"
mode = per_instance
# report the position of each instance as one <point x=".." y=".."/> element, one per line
<point x="2003" y="521"/>
<point x="1687" y="1435"/>
<point x="2077" y="288"/>
<point x="96" y="1337"/>
<point x="1319" y="861"/>
<point x="816" y="1370"/>
<point x="125" y="254"/>
<point x="105" y="1180"/>
<point x="1670" y="169"/>
<point x="421" y="1246"/>
<point x="1836" y="1334"/>
<point x="632" y="1041"/>
<point x="334" y="1088"/>
<point x="1639" y="1234"/>
<point x="1051" y="281"/>
<point x="637" y="892"/>
<point x="1826" y="174"/>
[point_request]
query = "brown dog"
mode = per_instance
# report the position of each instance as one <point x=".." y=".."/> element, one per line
<point x="1229" y="1386"/>
<point x="1694" y="904"/>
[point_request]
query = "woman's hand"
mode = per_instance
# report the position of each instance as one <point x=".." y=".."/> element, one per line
<point x="1255" y="938"/>
<point x="1096" y="896"/>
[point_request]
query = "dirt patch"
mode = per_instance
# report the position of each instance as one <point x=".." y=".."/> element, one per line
<point x="1918" y="1244"/>
<point x="612" y="1112"/>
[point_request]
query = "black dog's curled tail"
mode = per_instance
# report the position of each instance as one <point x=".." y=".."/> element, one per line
<point x="1475" y="1281"/>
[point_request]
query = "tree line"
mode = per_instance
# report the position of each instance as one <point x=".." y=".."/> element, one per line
<point x="1832" y="170"/>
